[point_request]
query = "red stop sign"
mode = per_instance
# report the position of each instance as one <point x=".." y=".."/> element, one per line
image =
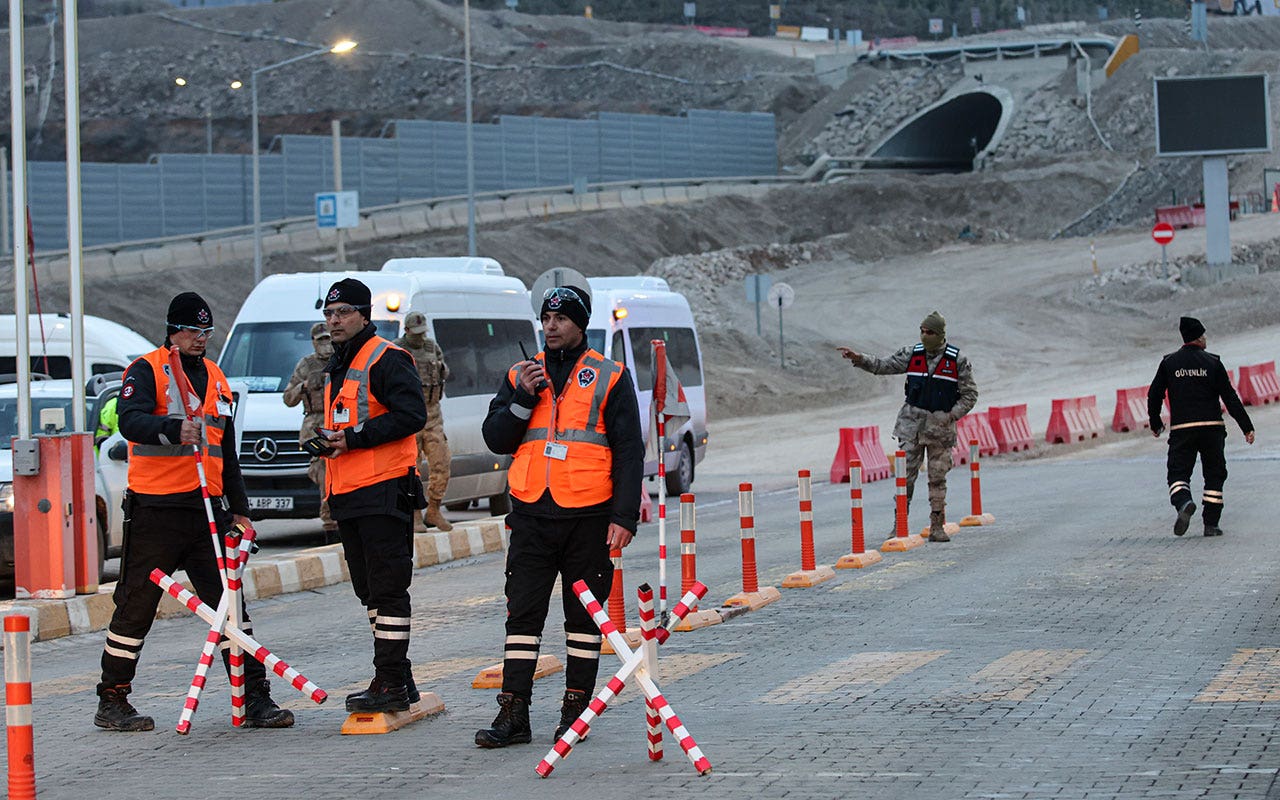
<point x="1162" y="233"/>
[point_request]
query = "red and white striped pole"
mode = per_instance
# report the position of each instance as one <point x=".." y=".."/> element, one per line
<point x="975" y="490"/>
<point x="658" y="398"/>
<point x="17" y="707"/>
<point x="747" y="526"/>
<point x="688" y="543"/>
<point x="807" y="559"/>
<point x="648" y="629"/>
<point x="900" y="491"/>
<point x="858" y="557"/>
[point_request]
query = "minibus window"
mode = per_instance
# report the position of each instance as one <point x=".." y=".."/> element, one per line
<point x="480" y="351"/>
<point x="618" y="350"/>
<point x="682" y="352"/>
<point x="54" y="366"/>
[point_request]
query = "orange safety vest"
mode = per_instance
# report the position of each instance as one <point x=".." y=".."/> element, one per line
<point x="574" y="420"/>
<point x="354" y="405"/>
<point x="171" y="468"/>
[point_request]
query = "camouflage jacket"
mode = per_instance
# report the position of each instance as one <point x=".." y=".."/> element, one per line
<point x="432" y="369"/>
<point x="306" y="385"/>
<point x="915" y="424"/>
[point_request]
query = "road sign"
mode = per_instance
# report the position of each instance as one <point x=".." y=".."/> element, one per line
<point x="781" y="295"/>
<point x="1162" y="233"/>
<point x="337" y="209"/>
<point x="757" y="284"/>
<point x="935" y="25"/>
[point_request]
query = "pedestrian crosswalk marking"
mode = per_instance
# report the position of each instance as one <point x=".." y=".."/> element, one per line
<point x="893" y="576"/>
<point x="673" y="667"/>
<point x="850" y="678"/>
<point x="1251" y="676"/>
<point x="1015" y="677"/>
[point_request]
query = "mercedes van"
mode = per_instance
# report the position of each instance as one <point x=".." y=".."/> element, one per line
<point x="477" y="314"/>
<point x="627" y="314"/>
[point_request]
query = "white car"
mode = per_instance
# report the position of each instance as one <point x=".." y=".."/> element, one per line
<point x="111" y="477"/>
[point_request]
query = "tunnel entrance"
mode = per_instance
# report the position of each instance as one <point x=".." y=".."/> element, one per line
<point x="947" y="137"/>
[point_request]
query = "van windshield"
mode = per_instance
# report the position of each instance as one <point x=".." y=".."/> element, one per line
<point x="480" y="351"/>
<point x="9" y="416"/>
<point x="263" y="354"/>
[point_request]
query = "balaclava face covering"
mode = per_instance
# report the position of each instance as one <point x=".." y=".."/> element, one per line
<point x="934" y="322"/>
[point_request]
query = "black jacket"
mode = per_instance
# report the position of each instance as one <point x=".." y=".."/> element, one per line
<point x="1196" y="381"/>
<point x="394" y="381"/>
<point x="139" y="425"/>
<point x="504" y="430"/>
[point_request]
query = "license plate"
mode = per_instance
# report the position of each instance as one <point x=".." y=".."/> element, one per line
<point x="271" y="503"/>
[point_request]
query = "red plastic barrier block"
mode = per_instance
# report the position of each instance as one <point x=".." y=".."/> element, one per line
<point x="875" y="463"/>
<point x="1073" y="419"/>
<point x="1090" y="417"/>
<point x="845" y="453"/>
<point x="1131" y="410"/>
<point x="1010" y="427"/>
<point x="1258" y="384"/>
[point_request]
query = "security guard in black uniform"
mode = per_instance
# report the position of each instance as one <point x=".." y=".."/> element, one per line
<point x="570" y="417"/>
<point x="1198" y="386"/>
<point x="166" y="524"/>
<point x="373" y="408"/>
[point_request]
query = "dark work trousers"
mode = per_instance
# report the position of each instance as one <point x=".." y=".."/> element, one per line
<point x="1184" y="445"/>
<point x="168" y="539"/>
<point x="575" y="548"/>
<point x="379" y="553"/>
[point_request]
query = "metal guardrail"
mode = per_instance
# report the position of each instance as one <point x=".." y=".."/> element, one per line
<point x="289" y="224"/>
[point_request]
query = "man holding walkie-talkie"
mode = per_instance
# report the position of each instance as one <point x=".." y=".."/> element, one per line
<point x="570" y="417"/>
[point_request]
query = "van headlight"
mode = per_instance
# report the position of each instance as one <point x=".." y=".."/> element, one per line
<point x="6" y="497"/>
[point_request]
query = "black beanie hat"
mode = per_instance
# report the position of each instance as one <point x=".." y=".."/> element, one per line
<point x="577" y="310"/>
<point x="1190" y="328"/>
<point x="188" y="308"/>
<point x="350" y="290"/>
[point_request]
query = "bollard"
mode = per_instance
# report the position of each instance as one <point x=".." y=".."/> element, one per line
<point x="901" y="541"/>
<point x="975" y="490"/>
<point x="810" y="573"/>
<point x="859" y="557"/>
<point x="751" y="595"/>
<point x="618" y="606"/>
<point x="689" y="567"/>
<point x="17" y="708"/>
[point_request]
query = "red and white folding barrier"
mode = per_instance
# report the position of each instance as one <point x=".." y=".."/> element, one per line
<point x="859" y="557"/>
<point x="648" y="626"/>
<point x="635" y="666"/>
<point x="20" y="734"/>
<point x="902" y="540"/>
<point x="977" y="517"/>
<point x="810" y="573"/>
<point x="751" y="596"/>
<point x="689" y="566"/>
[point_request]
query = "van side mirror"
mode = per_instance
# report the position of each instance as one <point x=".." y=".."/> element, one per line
<point x="119" y="451"/>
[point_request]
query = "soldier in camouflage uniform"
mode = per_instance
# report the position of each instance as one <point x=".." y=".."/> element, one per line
<point x="306" y="386"/>
<point x="433" y="447"/>
<point x="940" y="390"/>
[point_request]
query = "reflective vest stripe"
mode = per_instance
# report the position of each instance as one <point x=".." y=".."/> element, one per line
<point x="591" y="437"/>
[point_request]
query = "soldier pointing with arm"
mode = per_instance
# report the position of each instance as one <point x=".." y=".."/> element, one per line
<point x="940" y="390"/>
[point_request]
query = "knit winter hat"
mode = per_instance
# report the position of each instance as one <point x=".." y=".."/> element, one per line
<point x="935" y="323"/>
<point x="571" y="301"/>
<point x="1190" y="328"/>
<point x="190" y="309"/>
<point x="352" y="291"/>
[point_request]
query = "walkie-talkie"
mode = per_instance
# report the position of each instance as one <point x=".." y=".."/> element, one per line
<point x="542" y="384"/>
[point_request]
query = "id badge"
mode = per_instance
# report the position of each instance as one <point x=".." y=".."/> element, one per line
<point x="557" y="450"/>
<point x="341" y="416"/>
<point x="224" y="408"/>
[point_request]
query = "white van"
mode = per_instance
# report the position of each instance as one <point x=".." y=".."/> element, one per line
<point x="479" y="317"/>
<point x="108" y="346"/>
<point x="626" y="315"/>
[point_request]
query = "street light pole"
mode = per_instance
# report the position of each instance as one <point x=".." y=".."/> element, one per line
<point x="345" y="46"/>
<point x="471" y="153"/>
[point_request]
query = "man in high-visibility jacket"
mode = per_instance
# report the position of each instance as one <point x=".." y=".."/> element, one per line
<point x="166" y="526"/>
<point x="570" y="417"/>
<point x="373" y="407"/>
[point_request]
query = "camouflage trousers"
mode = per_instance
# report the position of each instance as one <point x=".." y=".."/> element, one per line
<point x="939" y="459"/>
<point x="433" y="455"/>
<point x="315" y="470"/>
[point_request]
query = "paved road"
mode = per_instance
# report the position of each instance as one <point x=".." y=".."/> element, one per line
<point x="1074" y="649"/>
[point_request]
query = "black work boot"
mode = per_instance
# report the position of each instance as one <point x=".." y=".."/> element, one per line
<point x="260" y="711"/>
<point x="414" y="695"/>
<point x="380" y="696"/>
<point x="511" y="726"/>
<point x="575" y="702"/>
<point x="1212" y="529"/>
<point x="1183" y="521"/>
<point x="115" y="713"/>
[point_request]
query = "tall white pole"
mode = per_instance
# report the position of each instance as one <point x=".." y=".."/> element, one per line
<point x="257" y="199"/>
<point x="18" y="136"/>
<point x="471" y="152"/>
<point x="4" y="200"/>
<point x="337" y="185"/>
<point x="75" y="237"/>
